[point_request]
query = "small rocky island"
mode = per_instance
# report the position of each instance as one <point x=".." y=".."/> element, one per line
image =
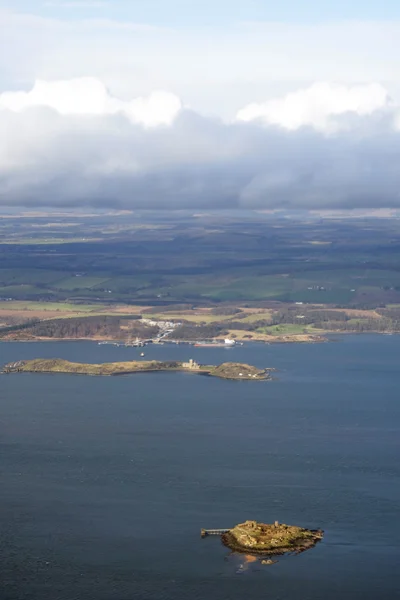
<point x="267" y="539"/>
<point x="229" y="370"/>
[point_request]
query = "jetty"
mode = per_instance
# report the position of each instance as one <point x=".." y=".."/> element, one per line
<point x="205" y="532"/>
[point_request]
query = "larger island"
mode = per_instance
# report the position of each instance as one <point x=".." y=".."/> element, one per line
<point x="228" y="370"/>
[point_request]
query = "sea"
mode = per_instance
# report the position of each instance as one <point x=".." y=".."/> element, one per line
<point x="106" y="482"/>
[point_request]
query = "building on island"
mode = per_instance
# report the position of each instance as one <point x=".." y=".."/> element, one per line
<point x="192" y="365"/>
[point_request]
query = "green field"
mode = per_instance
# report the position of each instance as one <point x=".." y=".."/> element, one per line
<point x="175" y="258"/>
<point x="19" y="291"/>
<point x="28" y="276"/>
<point x="52" y="306"/>
<point x="194" y="318"/>
<point x="258" y="316"/>
<point x="219" y="287"/>
<point x="287" y="329"/>
<point x="80" y="283"/>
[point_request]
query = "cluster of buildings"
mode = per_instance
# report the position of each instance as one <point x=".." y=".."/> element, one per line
<point x="161" y="324"/>
<point x="165" y="327"/>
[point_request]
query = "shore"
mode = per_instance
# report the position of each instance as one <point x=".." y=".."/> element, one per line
<point x="263" y="338"/>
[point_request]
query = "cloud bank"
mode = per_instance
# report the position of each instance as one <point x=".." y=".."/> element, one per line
<point x="72" y="143"/>
<point x="318" y="106"/>
<point x="89" y="96"/>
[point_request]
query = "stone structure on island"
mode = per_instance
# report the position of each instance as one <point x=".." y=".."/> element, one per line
<point x="192" y="365"/>
<point x="267" y="539"/>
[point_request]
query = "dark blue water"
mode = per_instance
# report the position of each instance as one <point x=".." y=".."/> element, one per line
<point x="106" y="482"/>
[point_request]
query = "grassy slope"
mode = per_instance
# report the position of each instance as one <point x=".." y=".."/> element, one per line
<point x="287" y="329"/>
<point x="238" y="371"/>
<point x="58" y="365"/>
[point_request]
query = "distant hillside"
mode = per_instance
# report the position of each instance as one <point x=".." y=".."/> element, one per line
<point x="101" y="327"/>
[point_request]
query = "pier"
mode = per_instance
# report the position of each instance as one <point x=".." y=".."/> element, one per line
<point x="205" y="532"/>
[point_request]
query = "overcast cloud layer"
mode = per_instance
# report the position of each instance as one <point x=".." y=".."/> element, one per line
<point x="123" y="115"/>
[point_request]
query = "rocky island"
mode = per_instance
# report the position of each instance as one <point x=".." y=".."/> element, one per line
<point x="267" y="539"/>
<point x="228" y="370"/>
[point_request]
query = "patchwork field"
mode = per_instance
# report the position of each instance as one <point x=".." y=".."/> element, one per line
<point x="215" y="259"/>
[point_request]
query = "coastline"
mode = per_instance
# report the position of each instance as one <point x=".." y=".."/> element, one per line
<point x="278" y="340"/>
<point x="284" y="339"/>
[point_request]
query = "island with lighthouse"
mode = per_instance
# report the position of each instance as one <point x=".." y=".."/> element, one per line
<point x="227" y="370"/>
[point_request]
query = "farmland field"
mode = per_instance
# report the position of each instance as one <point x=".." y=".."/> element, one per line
<point x="251" y="259"/>
<point x="78" y="282"/>
<point x="286" y="329"/>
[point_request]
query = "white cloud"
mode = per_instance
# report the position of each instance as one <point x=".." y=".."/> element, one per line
<point x="109" y="139"/>
<point x="89" y="96"/>
<point x="318" y="106"/>
<point x="72" y="143"/>
<point x="216" y="69"/>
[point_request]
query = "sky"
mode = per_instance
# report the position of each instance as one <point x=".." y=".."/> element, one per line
<point x="219" y="103"/>
<point x="211" y="12"/>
